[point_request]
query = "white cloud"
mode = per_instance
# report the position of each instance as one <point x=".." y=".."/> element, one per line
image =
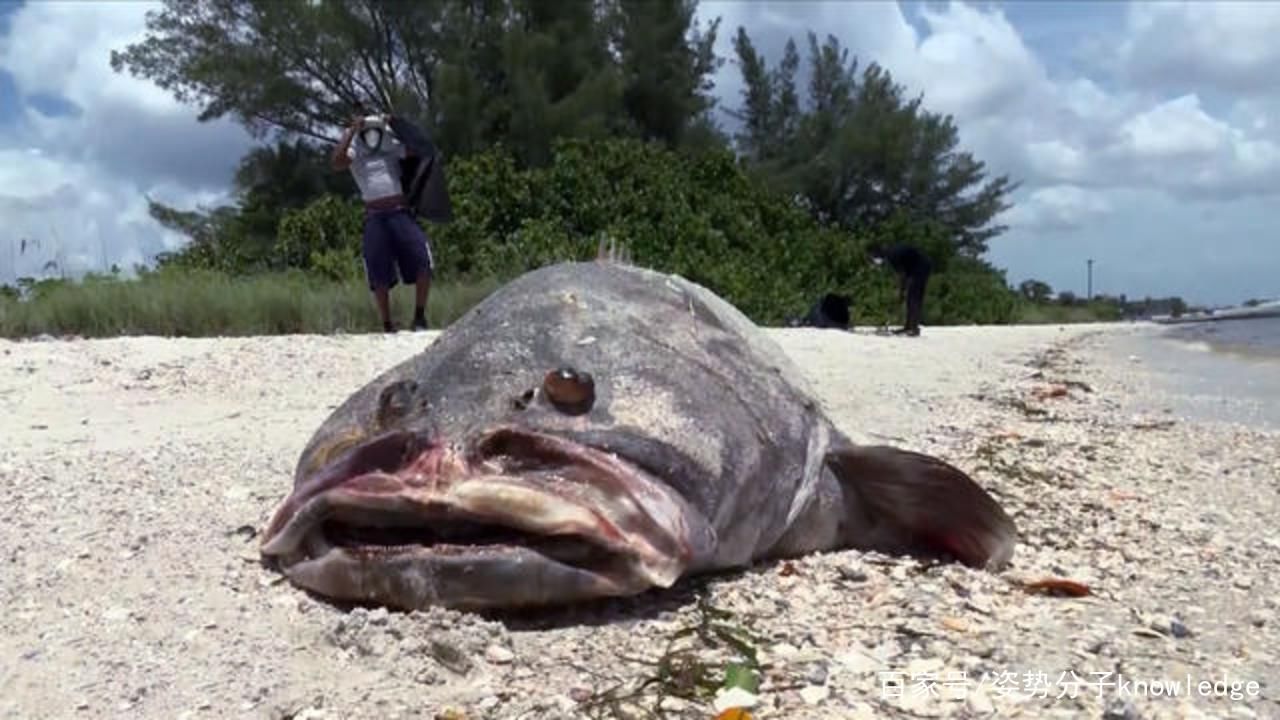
<point x="954" y="63"/>
<point x="1057" y="208"/>
<point x="64" y="48"/>
<point x="1227" y="45"/>
<point x="1057" y="160"/>
<point x="77" y="183"/>
<point x="1175" y="130"/>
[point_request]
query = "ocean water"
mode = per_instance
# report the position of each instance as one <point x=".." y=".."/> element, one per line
<point x="1242" y="337"/>
<point x="1228" y="370"/>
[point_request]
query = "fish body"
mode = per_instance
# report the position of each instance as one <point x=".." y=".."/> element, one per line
<point x="597" y="429"/>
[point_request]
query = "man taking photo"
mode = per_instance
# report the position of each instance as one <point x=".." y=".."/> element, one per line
<point x="392" y="237"/>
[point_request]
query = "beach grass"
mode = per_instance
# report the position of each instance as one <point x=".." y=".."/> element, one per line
<point x="1053" y="313"/>
<point x="203" y="304"/>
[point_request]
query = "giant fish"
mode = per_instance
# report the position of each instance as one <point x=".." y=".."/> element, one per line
<point x="597" y="429"/>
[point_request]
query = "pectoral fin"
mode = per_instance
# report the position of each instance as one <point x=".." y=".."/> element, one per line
<point x="899" y="500"/>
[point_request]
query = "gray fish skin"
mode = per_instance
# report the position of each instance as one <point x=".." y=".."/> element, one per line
<point x="453" y="479"/>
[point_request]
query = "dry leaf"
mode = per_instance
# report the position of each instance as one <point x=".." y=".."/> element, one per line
<point x="1057" y="586"/>
<point x="787" y="569"/>
<point x="734" y="713"/>
<point x="955" y="623"/>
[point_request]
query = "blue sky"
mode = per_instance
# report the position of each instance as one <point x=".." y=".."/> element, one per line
<point x="1142" y="132"/>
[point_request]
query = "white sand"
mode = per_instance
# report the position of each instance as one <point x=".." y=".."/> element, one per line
<point x="130" y="464"/>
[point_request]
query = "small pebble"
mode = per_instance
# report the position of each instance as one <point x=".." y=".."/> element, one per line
<point x="448" y="655"/>
<point x="580" y="694"/>
<point x="814" y="694"/>
<point x="673" y="704"/>
<point x="1120" y="709"/>
<point x="856" y="575"/>
<point x="978" y="701"/>
<point x="498" y="655"/>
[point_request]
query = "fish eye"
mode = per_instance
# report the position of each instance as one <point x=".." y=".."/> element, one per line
<point x="570" y="391"/>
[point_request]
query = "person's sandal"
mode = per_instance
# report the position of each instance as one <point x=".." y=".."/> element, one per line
<point x="388" y="327"/>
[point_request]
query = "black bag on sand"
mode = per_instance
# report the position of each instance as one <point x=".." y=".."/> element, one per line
<point x="830" y="311"/>
<point x="422" y="175"/>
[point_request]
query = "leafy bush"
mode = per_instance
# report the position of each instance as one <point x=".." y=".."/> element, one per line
<point x="702" y="216"/>
<point x="969" y="292"/>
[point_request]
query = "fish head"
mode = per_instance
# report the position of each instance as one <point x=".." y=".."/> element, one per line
<point x="509" y="465"/>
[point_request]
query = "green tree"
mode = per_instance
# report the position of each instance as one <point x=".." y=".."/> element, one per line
<point x="517" y="72"/>
<point x="666" y="61"/>
<point x="292" y="66"/>
<point x="860" y="152"/>
<point x="561" y="80"/>
<point x="1035" y="290"/>
<point x="771" y="108"/>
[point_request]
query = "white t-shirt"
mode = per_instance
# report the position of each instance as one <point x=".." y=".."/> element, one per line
<point x="377" y="172"/>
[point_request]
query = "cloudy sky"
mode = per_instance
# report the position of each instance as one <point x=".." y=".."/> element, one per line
<point x="1142" y="132"/>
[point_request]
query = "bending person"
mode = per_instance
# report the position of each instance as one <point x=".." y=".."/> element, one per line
<point x="913" y="268"/>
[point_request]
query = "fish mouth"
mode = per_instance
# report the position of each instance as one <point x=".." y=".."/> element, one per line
<point x="516" y="518"/>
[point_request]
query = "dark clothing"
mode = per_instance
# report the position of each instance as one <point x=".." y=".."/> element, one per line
<point x="392" y="238"/>
<point x="422" y="173"/>
<point x="915" y="299"/>
<point x="906" y="260"/>
<point x="913" y="268"/>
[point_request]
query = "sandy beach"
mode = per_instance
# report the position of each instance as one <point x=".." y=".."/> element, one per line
<point x="136" y="473"/>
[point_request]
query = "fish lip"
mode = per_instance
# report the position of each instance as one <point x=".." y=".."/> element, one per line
<point x="472" y="580"/>
<point x="602" y="500"/>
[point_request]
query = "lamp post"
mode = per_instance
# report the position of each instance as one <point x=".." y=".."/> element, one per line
<point x="1089" y="294"/>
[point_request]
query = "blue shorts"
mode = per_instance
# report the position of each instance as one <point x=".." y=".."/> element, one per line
<point x="392" y="238"/>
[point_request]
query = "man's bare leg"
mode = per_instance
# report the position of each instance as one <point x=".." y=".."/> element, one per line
<point x="422" y="291"/>
<point x="382" y="297"/>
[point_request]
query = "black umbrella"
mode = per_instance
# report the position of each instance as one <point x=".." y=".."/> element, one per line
<point x="422" y="173"/>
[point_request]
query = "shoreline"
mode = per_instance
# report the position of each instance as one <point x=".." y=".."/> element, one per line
<point x="140" y="466"/>
<point x="1206" y="380"/>
<point x="1205" y="336"/>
